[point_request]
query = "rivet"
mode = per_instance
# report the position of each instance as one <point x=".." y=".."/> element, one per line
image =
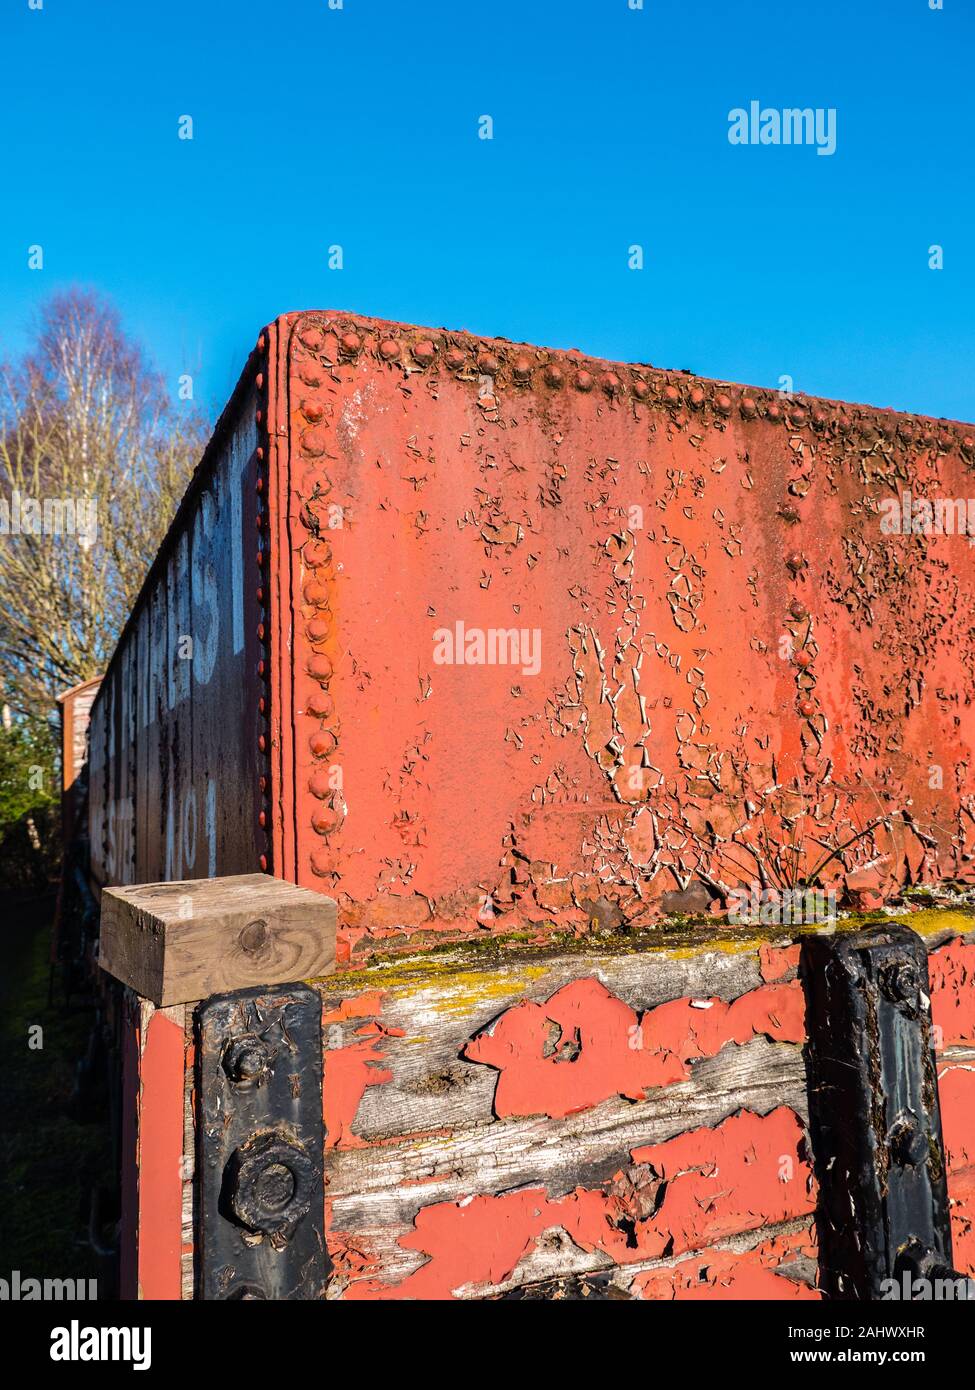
<point x="311" y="373"/>
<point x="522" y="368"/>
<point x="350" y="343"/>
<point x="324" y="820"/>
<point x="807" y="709"/>
<point x="260" y="632"/>
<point x="259" y="416"/>
<point x="312" y="337"/>
<point x="261" y="343"/>
<point x="261" y="742"/>
<point x="945" y="441"/>
<point x="797" y="611"/>
<point x="311" y="409"/>
<point x="322" y="743"/>
<point x="722" y="403"/>
<point x="455" y="359"/>
<point x="259" y="486"/>
<point x="317" y="629"/>
<point x="748" y="407"/>
<point x="314" y="441"/>
<point x="314" y="592"/>
<point x="843" y="423"/>
<point x="319" y="667"/>
<point x="790" y="515"/>
<point x="263" y="863"/>
<point x="389" y="349"/>
<point x="696" y="397"/>
<point x="554" y="376"/>
<point x="583" y="381"/>
<point x="968" y="443"/>
<point x="260" y="667"/>
<point x="259" y="380"/>
<point x="320" y="783"/>
<point x="797" y="416"/>
<point x="671" y="394"/>
<point x="804" y="658"/>
<point x="795" y="561"/>
<point x="424" y="352"/>
<point x="610" y="383"/>
<point x="316" y="553"/>
<point x="819" y="417"/>
<point x="261" y="707"/>
<point x="320" y="705"/>
<point x="260" y="559"/>
<point x="322" y="863"/>
<point x="641" y="390"/>
<point x="487" y="363"/>
<point x="259" y="451"/>
<point x="262" y="820"/>
<point x="774" y="412"/>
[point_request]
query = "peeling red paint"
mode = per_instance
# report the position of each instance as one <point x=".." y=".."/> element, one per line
<point x="705" y="1185"/>
<point x="724" y="1274"/>
<point x="952" y="973"/>
<point x="584" y="1045"/>
<point x="778" y="962"/>
<point x="352" y="1061"/>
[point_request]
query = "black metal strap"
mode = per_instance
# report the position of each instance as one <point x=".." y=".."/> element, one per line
<point x="875" y="1122"/>
<point x="260" y="1137"/>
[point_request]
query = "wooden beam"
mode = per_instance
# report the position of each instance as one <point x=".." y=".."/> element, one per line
<point x="178" y="942"/>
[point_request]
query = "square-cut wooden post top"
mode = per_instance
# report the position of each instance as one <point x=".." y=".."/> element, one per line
<point x="176" y="942"/>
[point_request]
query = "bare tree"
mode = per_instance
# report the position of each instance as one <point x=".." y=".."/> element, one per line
<point x="94" y="458"/>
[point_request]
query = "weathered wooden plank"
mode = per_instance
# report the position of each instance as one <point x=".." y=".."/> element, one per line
<point x="385" y="1184"/>
<point x="176" y="942"/>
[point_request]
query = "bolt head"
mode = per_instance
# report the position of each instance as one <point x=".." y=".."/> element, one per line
<point x="247" y="1059"/>
<point x="269" y="1182"/>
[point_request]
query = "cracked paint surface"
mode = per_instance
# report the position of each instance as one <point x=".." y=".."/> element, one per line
<point x="740" y="677"/>
<point x="759" y="1273"/>
<point x="701" y="1187"/>
<point x="583" y="1044"/>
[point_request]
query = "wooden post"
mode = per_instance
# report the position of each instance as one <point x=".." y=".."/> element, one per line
<point x="173" y="945"/>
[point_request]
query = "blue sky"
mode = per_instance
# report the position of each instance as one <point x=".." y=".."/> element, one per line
<point x="359" y="127"/>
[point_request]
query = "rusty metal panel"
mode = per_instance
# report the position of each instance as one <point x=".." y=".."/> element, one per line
<point x="580" y="640"/>
<point x="179" y="756"/>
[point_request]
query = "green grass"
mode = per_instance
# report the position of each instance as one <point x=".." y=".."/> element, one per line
<point x="48" y="1161"/>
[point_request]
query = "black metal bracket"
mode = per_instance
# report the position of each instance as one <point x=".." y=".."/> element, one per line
<point x="260" y="1135"/>
<point x="874" y="1118"/>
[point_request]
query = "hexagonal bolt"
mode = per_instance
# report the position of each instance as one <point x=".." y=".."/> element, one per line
<point x="269" y="1184"/>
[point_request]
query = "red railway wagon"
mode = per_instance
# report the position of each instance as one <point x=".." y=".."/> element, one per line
<point x="517" y="654"/>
